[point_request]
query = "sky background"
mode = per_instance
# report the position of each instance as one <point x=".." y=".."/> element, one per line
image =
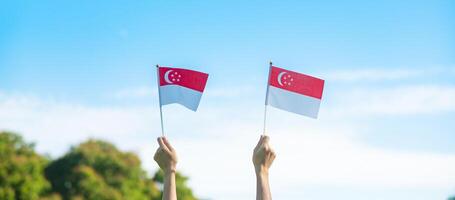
<point x="73" y="70"/>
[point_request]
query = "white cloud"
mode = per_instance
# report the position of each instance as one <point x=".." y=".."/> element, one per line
<point x="55" y="126"/>
<point x="210" y="92"/>
<point x="221" y="167"/>
<point x="396" y="100"/>
<point x="216" y="151"/>
<point x="343" y="161"/>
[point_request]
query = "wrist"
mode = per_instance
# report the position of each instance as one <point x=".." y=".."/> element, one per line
<point x="170" y="170"/>
<point x="262" y="171"/>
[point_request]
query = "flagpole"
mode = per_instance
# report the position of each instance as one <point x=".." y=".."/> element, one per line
<point x="159" y="98"/>
<point x="266" y="99"/>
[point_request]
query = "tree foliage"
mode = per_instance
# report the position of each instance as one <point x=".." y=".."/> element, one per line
<point x="98" y="170"/>
<point x="92" y="170"/>
<point x="21" y="170"/>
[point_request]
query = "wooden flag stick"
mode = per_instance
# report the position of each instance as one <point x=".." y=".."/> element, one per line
<point x="159" y="98"/>
<point x="266" y="99"/>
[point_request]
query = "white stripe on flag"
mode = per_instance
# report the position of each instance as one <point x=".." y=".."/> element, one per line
<point x="293" y="102"/>
<point x="181" y="95"/>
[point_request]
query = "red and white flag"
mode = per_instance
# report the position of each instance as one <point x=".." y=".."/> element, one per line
<point x="181" y="86"/>
<point x="294" y="92"/>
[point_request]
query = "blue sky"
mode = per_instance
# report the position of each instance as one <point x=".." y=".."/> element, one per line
<point x="389" y="68"/>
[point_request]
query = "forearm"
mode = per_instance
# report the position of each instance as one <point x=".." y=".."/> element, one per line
<point x="262" y="186"/>
<point x="169" y="190"/>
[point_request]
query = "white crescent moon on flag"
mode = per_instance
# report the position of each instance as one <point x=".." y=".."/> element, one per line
<point x="166" y="77"/>
<point x="279" y="77"/>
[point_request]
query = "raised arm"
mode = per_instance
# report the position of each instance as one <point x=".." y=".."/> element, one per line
<point x="263" y="157"/>
<point x="166" y="157"/>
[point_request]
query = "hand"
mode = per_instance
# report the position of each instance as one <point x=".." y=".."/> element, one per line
<point x="263" y="156"/>
<point x="165" y="156"/>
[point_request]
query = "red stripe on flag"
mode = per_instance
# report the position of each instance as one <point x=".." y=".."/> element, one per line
<point x="296" y="82"/>
<point x="184" y="77"/>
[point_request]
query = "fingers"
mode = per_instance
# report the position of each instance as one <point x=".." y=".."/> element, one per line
<point x="263" y="140"/>
<point x="272" y="156"/>
<point x="168" y="145"/>
<point x="271" y="153"/>
<point x="259" y="142"/>
<point x="162" y="144"/>
<point x="155" y="157"/>
<point x="268" y="150"/>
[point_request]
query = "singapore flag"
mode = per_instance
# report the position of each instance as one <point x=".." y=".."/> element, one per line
<point x="181" y="86"/>
<point x="294" y="92"/>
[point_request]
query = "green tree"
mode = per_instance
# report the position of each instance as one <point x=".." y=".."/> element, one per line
<point x="98" y="170"/>
<point x="92" y="170"/>
<point x="183" y="191"/>
<point x="21" y="170"/>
